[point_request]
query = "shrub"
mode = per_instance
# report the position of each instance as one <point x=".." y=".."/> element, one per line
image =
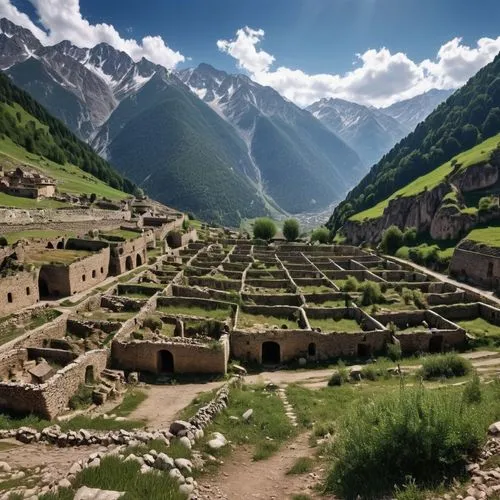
<point x="407" y="296"/>
<point x="371" y="293"/>
<point x="423" y="434"/>
<point x="82" y="398"/>
<point x="264" y="228"/>
<point x="394" y="352"/>
<point x="485" y="203"/>
<point x="410" y="236"/>
<point x="340" y="376"/>
<point x="3" y="241"/>
<point x="153" y="322"/>
<point x="392" y="239"/>
<point x="291" y="229"/>
<point x="445" y="365"/>
<point x="419" y="299"/>
<point x="369" y="372"/>
<point x="351" y="284"/>
<point x="321" y="235"/>
<point x="472" y="390"/>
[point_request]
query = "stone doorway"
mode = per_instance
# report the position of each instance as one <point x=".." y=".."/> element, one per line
<point x="138" y="260"/>
<point x="165" y="362"/>
<point x="311" y="350"/>
<point x="271" y="353"/>
<point x="129" y="265"/>
<point x="436" y="344"/>
<point x="89" y="375"/>
<point x="43" y="288"/>
<point x="364" y="351"/>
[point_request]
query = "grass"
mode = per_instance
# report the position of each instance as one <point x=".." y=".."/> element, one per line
<point x="316" y="289"/>
<point x="424" y="434"/>
<point x="301" y="466"/>
<point x="70" y="179"/>
<point x="246" y="320"/>
<point x="122" y="233"/>
<point x="266" y="430"/>
<point x="332" y="325"/>
<point x="7" y="200"/>
<point x="478" y="154"/>
<point x="480" y="327"/>
<point x="486" y="236"/>
<point x="327" y="303"/>
<point x="36" y="234"/>
<point x="55" y="256"/>
<point x="114" y="474"/>
<point x="173" y="310"/>
<point x="132" y="399"/>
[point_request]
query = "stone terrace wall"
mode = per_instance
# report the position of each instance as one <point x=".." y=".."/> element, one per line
<point x="458" y="312"/>
<point x="40" y="216"/>
<point x="187" y="357"/>
<point x="18" y="291"/>
<point x="295" y="344"/>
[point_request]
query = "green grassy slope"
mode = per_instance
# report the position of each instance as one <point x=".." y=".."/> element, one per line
<point x="474" y="156"/>
<point x="28" y="125"/>
<point x="469" y="116"/>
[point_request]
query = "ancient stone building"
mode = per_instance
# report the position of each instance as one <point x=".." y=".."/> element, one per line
<point x="21" y="182"/>
<point x="18" y="287"/>
<point x="127" y="253"/>
<point x="477" y="264"/>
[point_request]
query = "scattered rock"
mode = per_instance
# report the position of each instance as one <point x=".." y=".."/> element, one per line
<point x="85" y="493"/>
<point x="185" y="441"/>
<point x="246" y="416"/>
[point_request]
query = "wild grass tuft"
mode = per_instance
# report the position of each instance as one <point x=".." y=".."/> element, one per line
<point x="444" y="366"/>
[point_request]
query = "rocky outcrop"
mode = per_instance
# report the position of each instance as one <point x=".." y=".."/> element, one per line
<point x="430" y="212"/>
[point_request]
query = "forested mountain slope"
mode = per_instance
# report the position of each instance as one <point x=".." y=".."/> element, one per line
<point x="469" y="116"/>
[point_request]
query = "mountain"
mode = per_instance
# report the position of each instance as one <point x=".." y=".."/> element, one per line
<point x="24" y="124"/>
<point x="369" y="131"/>
<point x="298" y="161"/>
<point x="182" y="152"/>
<point x="410" y="112"/>
<point x="80" y="86"/>
<point x="465" y="119"/>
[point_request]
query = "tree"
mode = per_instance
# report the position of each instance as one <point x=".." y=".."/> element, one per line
<point x="321" y="235"/>
<point x="392" y="240"/>
<point x="291" y="229"/>
<point x="410" y="236"/>
<point x="264" y="228"/>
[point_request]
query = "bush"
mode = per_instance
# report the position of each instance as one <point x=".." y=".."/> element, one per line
<point x="369" y="372"/>
<point x="485" y="203"/>
<point x="407" y="296"/>
<point x="445" y="365"/>
<point x="153" y="322"/>
<point x="3" y="241"/>
<point x="264" y="228"/>
<point x="82" y="398"/>
<point x="351" y="284"/>
<point x="419" y="299"/>
<point x="394" y="352"/>
<point x="291" y="229"/>
<point x="340" y="376"/>
<point x="321" y="235"/>
<point x="392" y="240"/>
<point x="371" y="293"/>
<point x="472" y="391"/>
<point x="423" y="434"/>
<point x="410" y="237"/>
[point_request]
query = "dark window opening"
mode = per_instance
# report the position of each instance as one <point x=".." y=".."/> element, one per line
<point x="9" y="298"/>
<point x="271" y="353"/>
<point x="165" y="362"/>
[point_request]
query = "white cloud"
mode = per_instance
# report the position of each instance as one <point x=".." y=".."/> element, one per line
<point x="63" y="20"/>
<point x="380" y="79"/>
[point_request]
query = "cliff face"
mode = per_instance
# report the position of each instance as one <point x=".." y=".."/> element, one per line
<point x="429" y="212"/>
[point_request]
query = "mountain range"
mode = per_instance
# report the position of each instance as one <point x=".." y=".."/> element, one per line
<point x="219" y="145"/>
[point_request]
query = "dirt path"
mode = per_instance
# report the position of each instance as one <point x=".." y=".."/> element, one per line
<point x="165" y="401"/>
<point x="242" y="478"/>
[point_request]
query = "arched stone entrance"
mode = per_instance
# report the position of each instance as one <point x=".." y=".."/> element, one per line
<point x="271" y="353"/>
<point x="138" y="260"/>
<point x="89" y="375"/>
<point x="165" y="362"/>
<point x="436" y="344"/>
<point x="129" y="265"/>
<point x="43" y="288"/>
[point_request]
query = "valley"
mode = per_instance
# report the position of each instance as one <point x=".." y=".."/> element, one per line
<point x="250" y="282"/>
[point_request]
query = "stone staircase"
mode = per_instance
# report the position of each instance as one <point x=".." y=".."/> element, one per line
<point x="110" y="383"/>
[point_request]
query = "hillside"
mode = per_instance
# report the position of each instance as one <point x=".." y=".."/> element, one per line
<point x="469" y="116"/>
<point x="27" y="125"/>
<point x="184" y="155"/>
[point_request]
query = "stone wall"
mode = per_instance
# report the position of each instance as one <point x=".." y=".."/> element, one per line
<point x="145" y="356"/>
<point x="459" y="312"/>
<point x="51" y="398"/>
<point x="11" y="216"/>
<point x="66" y="280"/>
<point x="127" y="255"/>
<point x="294" y="344"/>
<point x="476" y="265"/>
<point x="18" y="290"/>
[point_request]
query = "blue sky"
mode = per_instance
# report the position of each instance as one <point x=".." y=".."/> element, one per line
<point x="310" y="36"/>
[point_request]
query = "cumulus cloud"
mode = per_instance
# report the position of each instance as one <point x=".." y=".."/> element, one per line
<point x="63" y="20"/>
<point x="380" y="78"/>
